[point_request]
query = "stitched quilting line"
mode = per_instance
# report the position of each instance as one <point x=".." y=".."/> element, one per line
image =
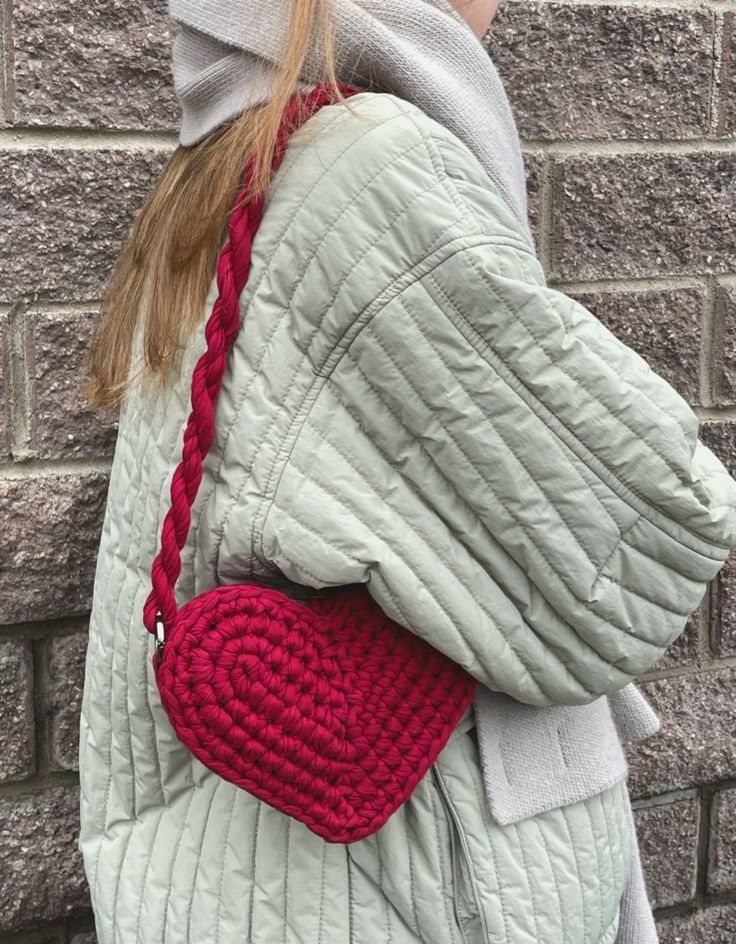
<point x="218" y="913"/>
<point x="254" y="859"/>
<point x="426" y="543"/>
<point x="484" y="276"/>
<point x="564" y="916"/>
<point x="563" y="578"/>
<point x="183" y="822"/>
<point x="389" y="933"/>
<point x="284" y="911"/>
<point x="612" y="844"/>
<point x="599" y="861"/>
<point x="456" y="378"/>
<point x="198" y="853"/>
<point x="578" y="881"/>
<point x="529" y="879"/>
<point x="320" y="924"/>
<point x="144" y="883"/>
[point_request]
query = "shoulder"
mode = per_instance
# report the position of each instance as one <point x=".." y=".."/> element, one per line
<point x="377" y="147"/>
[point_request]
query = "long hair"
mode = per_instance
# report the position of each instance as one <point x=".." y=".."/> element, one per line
<point x="167" y="262"/>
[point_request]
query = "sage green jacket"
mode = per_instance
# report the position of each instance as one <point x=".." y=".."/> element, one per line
<point x="407" y="403"/>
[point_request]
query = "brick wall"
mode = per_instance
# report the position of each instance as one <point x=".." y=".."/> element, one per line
<point x="628" y="118"/>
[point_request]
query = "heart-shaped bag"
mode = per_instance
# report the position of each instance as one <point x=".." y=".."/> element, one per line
<point x="324" y="708"/>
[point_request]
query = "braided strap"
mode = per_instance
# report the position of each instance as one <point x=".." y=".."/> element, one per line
<point x="233" y="266"/>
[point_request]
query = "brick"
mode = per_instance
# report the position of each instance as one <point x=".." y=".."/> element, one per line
<point x="685" y="649"/>
<point x="62" y="425"/>
<point x="66" y="666"/>
<point x="723" y="610"/>
<point x="668" y="842"/>
<point x="623" y="70"/>
<point x="6" y="395"/>
<point x="102" y="64"/>
<point x="726" y="124"/>
<point x="644" y="215"/>
<point x="724" y="347"/>
<point x="51" y="532"/>
<point x="89" y="938"/>
<point x="17" y="738"/>
<point x="715" y="925"/>
<point x="722" y="864"/>
<point x="696" y="743"/>
<point x="721" y="438"/>
<point x="41" y="865"/>
<point x="662" y="326"/>
<point x="534" y="167"/>
<point x="66" y="212"/>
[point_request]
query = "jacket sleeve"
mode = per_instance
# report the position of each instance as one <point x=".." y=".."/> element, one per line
<point x="512" y="481"/>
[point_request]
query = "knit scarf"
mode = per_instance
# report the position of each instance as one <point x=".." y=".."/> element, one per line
<point x="420" y="50"/>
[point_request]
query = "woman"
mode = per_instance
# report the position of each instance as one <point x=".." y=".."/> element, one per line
<point x="408" y="405"/>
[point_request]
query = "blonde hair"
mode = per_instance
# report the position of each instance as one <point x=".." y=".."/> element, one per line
<point x="167" y="262"/>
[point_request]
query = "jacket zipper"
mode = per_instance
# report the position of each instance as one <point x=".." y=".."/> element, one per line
<point x="457" y="836"/>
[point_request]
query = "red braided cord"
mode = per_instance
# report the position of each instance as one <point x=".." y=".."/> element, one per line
<point x="233" y="266"/>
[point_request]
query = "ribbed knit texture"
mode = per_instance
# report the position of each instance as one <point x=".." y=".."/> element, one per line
<point x="420" y="50"/>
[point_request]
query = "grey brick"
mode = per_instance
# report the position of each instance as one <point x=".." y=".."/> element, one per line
<point x="17" y="738"/>
<point x="722" y="865"/>
<point x="726" y="124"/>
<point x="534" y="167"/>
<point x="721" y="438"/>
<point x="685" y="649"/>
<point x="64" y="698"/>
<point x="43" y="874"/>
<point x="714" y="925"/>
<point x="62" y="425"/>
<point x="51" y="531"/>
<point x="102" y="64"/>
<point x="696" y="744"/>
<point x="588" y="70"/>
<point x="644" y="215"/>
<point x="668" y="842"/>
<point x="66" y="214"/>
<point x="662" y="326"/>
<point x="6" y="394"/>
<point x="723" y="610"/>
<point x="724" y="346"/>
<point x="89" y="938"/>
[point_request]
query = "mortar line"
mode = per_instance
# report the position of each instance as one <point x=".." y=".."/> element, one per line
<point x="710" y="333"/>
<point x="7" y="60"/>
<point x="716" y="76"/>
<point x="20" y="424"/>
<point x="39" y="469"/>
<point x="620" y="147"/>
<point x="25" y="138"/>
<point x="727" y="65"/>
<point x="546" y="215"/>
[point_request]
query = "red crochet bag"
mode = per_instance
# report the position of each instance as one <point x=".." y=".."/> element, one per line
<point x="323" y="708"/>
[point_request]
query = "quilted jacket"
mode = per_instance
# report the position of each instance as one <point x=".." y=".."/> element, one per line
<point x="408" y="404"/>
